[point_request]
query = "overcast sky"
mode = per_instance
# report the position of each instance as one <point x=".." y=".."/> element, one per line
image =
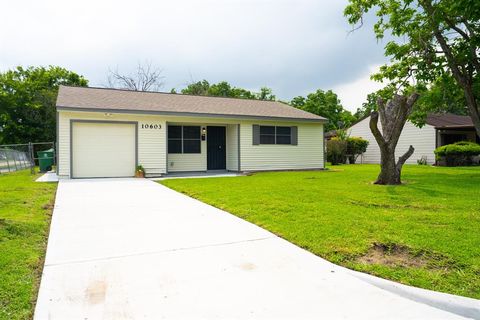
<point x="294" y="46"/>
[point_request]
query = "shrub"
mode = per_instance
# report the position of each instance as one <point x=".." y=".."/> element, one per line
<point x="422" y="161"/>
<point x="355" y="147"/>
<point x="336" y="150"/>
<point x="457" y="154"/>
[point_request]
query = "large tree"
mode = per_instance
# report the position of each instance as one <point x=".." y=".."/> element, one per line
<point x="432" y="39"/>
<point x="27" y="102"/>
<point x="325" y="104"/>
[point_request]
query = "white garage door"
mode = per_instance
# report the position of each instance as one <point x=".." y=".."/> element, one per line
<point x="102" y="150"/>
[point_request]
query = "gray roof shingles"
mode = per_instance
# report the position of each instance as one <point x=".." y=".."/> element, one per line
<point x="103" y="99"/>
<point x="448" y="120"/>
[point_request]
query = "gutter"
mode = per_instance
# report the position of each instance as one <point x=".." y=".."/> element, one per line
<point x="192" y="114"/>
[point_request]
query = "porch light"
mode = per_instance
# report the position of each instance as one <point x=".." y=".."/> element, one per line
<point x="204" y="132"/>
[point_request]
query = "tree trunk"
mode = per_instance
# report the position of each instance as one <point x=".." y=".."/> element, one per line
<point x="393" y="117"/>
<point x="473" y="108"/>
<point x="463" y="75"/>
<point x="388" y="173"/>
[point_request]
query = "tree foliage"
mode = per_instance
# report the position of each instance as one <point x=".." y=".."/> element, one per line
<point x="27" y="102"/>
<point x="325" y="104"/>
<point x="434" y="41"/>
<point x="224" y="89"/>
<point x="355" y="147"/>
<point x="336" y="150"/>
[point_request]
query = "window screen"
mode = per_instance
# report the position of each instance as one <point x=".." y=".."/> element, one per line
<point x="191" y="139"/>
<point x="184" y="139"/>
<point x="275" y="135"/>
<point x="267" y="135"/>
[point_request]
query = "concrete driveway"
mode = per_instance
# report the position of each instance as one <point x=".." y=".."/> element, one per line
<point x="133" y="249"/>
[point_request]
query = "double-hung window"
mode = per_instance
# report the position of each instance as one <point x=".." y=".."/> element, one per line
<point x="275" y="135"/>
<point x="184" y="139"/>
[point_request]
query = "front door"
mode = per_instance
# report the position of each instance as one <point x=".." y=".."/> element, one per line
<point x="216" y="150"/>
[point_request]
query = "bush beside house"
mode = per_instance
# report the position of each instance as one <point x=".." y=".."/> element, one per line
<point x="336" y="150"/>
<point x="340" y="148"/>
<point x="355" y="147"/>
<point x="463" y="153"/>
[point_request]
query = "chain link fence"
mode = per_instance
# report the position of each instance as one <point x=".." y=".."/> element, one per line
<point x="14" y="157"/>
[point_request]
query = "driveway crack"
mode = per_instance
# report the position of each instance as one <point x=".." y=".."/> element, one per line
<point x="157" y="252"/>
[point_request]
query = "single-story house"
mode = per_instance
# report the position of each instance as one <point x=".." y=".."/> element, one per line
<point x="439" y="130"/>
<point x="108" y="132"/>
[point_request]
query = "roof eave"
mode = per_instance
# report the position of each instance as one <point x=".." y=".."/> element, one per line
<point x="457" y="126"/>
<point x="190" y="114"/>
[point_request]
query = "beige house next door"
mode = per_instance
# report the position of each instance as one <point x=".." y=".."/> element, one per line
<point x="103" y="149"/>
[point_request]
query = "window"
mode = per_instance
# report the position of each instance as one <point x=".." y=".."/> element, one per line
<point x="267" y="135"/>
<point x="284" y="135"/>
<point x="275" y="135"/>
<point x="184" y="139"/>
<point x="174" y="139"/>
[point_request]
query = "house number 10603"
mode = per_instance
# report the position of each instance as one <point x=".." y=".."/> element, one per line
<point x="151" y="126"/>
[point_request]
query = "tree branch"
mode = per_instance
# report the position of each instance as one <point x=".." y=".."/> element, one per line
<point x="402" y="159"/>
<point x="374" y="128"/>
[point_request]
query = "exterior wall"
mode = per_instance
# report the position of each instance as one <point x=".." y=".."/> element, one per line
<point x="422" y="139"/>
<point x="152" y="144"/>
<point x="178" y="162"/>
<point x="308" y="154"/>
<point x="232" y="147"/>
<point x="182" y="162"/>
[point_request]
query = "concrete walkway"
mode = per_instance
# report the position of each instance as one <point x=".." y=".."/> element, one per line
<point x="133" y="249"/>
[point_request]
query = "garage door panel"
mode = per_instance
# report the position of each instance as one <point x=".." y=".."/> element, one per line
<point x="103" y="149"/>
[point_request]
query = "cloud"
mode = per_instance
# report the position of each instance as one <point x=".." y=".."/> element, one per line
<point x="294" y="47"/>
<point x="353" y="94"/>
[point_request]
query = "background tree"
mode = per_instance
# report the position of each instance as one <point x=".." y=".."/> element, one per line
<point x="442" y="96"/>
<point x="266" y="94"/>
<point x="199" y="88"/>
<point x="27" y="102"/>
<point x="224" y="89"/>
<point x="325" y="104"/>
<point x="145" y="78"/>
<point x="432" y="39"/>
<point x="368" y="106"/>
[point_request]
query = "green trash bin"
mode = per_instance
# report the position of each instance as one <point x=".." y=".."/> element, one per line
<point x="45" y="160"/>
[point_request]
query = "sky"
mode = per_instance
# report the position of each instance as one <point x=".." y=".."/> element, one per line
<point x="293" y="47"/>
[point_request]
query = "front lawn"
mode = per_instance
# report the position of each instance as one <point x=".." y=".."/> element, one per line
<point x="425" y="233"/>
<point x="25" y="210"/>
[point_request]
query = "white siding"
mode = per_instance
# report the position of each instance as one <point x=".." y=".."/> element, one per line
<point x="422" y="139"/>
<point x="151" y="142"/>
<point x="184" y="162"/>
<point x="308" y="154"/>
<point x="232" y="147"/>
<point x="152" y="146"/>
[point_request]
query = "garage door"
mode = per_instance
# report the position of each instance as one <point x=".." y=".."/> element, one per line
<point x="103" y="150"/>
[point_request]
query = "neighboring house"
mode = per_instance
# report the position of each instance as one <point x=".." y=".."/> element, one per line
<point x="107" y="132"/>
<point x="439" y="130"/>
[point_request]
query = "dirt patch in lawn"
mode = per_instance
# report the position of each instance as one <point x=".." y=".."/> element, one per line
<point x="396" y="255"/>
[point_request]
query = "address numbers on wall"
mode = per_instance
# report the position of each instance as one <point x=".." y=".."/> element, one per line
<point x="151" y="126"/>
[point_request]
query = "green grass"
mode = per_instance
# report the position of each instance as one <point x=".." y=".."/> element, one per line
<point x="25" y="211"/>
<point x="339" y="215"/>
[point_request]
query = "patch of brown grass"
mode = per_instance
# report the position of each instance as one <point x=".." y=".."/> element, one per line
<point x="394" y="255"/>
